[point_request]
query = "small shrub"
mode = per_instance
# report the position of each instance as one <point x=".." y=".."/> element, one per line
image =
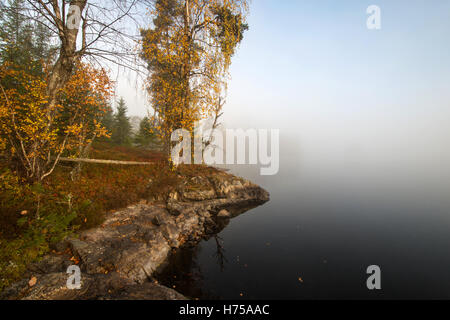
<point x="88" y="215"/>
<point x="36" y="218"/>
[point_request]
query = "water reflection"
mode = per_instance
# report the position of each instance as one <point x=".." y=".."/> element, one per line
<point x="220" y="252"/>
<point x="186" y="267"/>
<point x="184" y="272"/>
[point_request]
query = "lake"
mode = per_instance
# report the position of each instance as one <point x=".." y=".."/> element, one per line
<point x="326" y="223"/>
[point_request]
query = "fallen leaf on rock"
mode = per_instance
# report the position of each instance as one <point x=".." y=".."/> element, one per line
<point x="75" y="260"/>
<point x="32" y="281"/>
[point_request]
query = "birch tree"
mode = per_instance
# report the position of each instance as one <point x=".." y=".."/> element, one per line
<point x="188" y="49"/>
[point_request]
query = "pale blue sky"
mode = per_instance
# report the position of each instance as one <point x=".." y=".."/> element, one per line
<point x="299" y="54"/>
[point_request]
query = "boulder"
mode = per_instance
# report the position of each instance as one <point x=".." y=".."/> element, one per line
<point x="224" y="214"/>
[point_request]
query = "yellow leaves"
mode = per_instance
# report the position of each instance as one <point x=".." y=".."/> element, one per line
<point x="21" y="116"/>
<point x="188" y="64"/>
<point x="36" y="131"/>
<point x="74" y="130"/>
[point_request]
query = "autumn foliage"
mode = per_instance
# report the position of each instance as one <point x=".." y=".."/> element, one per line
<point x="34" y="136"/>
<point x="188" y="51"/>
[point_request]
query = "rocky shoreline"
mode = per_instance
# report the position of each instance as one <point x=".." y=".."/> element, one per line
<point x="119" y="258"/>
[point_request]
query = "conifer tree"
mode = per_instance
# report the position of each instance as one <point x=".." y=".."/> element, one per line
<point x="145" y="136"/>
<point x="122" y="128"/>
<point x="23" y="43"/>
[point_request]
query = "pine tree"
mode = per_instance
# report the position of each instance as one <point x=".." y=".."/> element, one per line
<point x="145" y="135"/>
<point x="121" y="133"/>
<point x="23" y="43"/>
<point x="107" y="120"/>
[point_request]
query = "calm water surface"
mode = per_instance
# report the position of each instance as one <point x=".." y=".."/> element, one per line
<point x="325" y="224"/>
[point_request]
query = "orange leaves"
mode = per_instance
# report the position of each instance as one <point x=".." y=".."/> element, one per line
<point x="32" y="282"/>
<point x="75" y="260"/>
<point x="88" y="86"/>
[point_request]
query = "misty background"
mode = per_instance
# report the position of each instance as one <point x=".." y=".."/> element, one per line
<point x="375" y="102"/>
